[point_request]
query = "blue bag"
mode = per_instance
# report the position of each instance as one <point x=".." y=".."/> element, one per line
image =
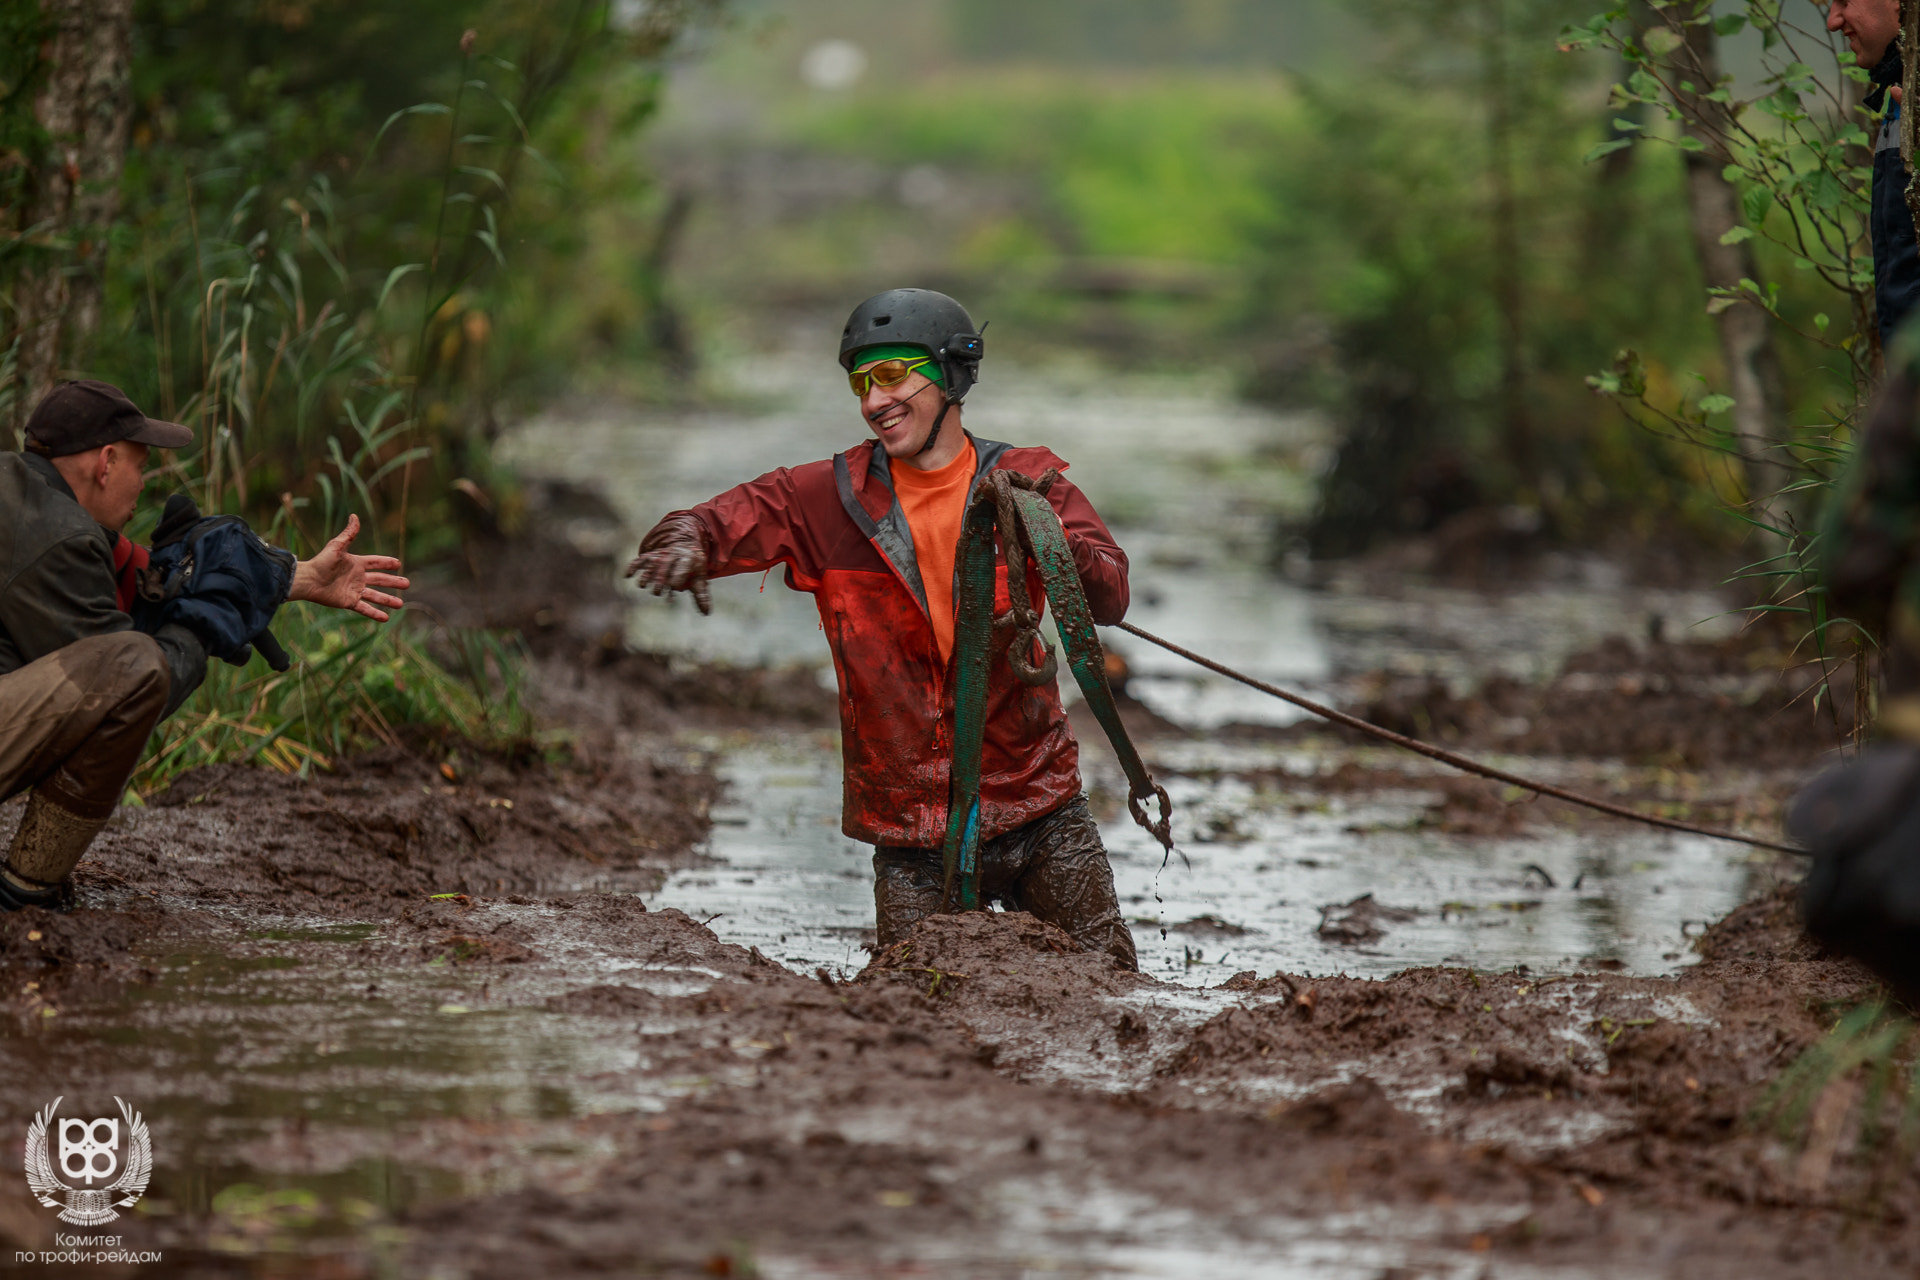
<point x="219" y="579"/>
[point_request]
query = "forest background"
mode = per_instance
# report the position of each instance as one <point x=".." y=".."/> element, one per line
<point x="1534" y="260"/>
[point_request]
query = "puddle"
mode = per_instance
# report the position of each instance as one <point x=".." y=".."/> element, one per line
<point x="1263" y="867"/>
<point x="1045" y="1227"/>
<point x="307" y="1092"/>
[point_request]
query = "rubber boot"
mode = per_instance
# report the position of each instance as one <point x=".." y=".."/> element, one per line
<point x="45" y="848"/>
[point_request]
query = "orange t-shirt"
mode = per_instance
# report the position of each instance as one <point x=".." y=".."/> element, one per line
<point x="935" y="502"/>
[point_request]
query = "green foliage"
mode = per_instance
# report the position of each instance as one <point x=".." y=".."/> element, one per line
<point x="353" y="685"/>
<point x="1153" y="166"/>
<point x="321" y="201"/>
<point x="1453" y="361"/>
<point x="1800" y="158"/>
<point x="1868" y="1065"/>
<point x="1799" y="155"/>
<point x="1138" y="32"/>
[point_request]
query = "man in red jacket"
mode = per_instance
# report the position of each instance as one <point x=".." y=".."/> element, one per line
<point x="872" y="533"/>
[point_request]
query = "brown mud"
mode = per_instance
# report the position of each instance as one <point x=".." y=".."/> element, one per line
<point x="412" y="1020"/>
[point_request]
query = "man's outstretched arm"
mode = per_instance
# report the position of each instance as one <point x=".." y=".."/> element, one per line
<point x="341" y="580"/>
<point x="750" y="527"/>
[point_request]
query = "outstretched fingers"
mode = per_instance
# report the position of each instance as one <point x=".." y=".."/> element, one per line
<point x="344" y="539"/>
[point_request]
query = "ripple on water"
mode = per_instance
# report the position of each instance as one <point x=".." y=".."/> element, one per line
<point x="1251" y="896"/>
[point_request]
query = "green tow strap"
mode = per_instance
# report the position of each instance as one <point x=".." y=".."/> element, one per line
<point x="1015" y="507"/>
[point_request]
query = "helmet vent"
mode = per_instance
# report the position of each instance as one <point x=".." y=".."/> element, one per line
<point x="880" y="320"/>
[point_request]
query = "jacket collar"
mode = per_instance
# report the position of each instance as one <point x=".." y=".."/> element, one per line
<point x="864" y="475"/>
<point x="49" y="475"/>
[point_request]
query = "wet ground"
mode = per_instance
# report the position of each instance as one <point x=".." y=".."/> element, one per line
<point x="615" y="1013"/>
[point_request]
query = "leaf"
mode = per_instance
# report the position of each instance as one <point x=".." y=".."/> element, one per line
<point x="1716" y="305"/>
<point x="1735" y="235"/>
<point x="1606" y="149"/>
<point x="1715" y="403"/>
<point x="1754" y="202"/>
<point x="393" y="277"/>
<point x="1687" y="142"/>
<point x="1729" y="24"/>
<point x="477" y="172"/>
<point x="1661" y="41"/>
<point x="1626" y="126"/>
<point x="417" y="109"/>
<point x="1821" y="322"/>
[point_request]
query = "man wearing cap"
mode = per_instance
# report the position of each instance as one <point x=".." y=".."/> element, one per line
<point x="80" y="689"/>
<point x="873" y="534"/>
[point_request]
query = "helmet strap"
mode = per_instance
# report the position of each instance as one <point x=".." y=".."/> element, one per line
<point x="934" y="434"/>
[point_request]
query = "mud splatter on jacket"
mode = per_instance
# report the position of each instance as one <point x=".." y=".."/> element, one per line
<point x="837" y="527"/>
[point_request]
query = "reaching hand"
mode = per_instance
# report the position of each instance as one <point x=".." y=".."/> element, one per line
<point x="341" y="580"/>
<point x="673" y="557"/>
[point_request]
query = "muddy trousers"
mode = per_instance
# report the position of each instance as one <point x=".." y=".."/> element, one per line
<point x="1054" y="867"/>
<point x="72" y="727"/>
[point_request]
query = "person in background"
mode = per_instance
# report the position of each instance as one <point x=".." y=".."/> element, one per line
<point x="1871" y="28"/>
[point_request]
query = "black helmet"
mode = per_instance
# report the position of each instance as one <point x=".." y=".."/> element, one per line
<point x="918" y="317"/>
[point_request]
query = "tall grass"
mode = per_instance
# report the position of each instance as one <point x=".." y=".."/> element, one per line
<point x="352" y="686"/>
<point x="1854" y="1091"/>
<point x="309" y="407"/>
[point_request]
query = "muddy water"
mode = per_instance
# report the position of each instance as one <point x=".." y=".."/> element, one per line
<point x="1264" y="867"/>
<point x="1192" y="483"/>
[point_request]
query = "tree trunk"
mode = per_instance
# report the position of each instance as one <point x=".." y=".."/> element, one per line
<point x="1746" y="339"/>
<point x="74" y="193"/>
<point x="1508" y="287"/>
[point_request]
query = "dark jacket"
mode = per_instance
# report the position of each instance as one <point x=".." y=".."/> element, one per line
<point x="57" y="580"/>
<point x="1896" y="261"/>
<point x="837" y="527"/>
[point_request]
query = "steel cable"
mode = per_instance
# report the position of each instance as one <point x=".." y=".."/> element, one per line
<point x="1449" y="758"/>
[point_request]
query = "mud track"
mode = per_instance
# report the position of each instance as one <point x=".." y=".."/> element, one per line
<point x="414" y="1020"/>
<point x="982" y="1099"/>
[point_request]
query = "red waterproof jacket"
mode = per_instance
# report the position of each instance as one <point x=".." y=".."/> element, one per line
<point x="838" y="528"/>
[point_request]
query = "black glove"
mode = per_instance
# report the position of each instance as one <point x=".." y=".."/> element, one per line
<point x="673" y="557"/>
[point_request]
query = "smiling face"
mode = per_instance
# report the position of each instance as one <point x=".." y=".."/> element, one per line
<point x="1869" y="26"/>
<point x="902" y="415"/>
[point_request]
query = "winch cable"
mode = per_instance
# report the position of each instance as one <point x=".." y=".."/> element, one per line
<point x="1449" y="758"/>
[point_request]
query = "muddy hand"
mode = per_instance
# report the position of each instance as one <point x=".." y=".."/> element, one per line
<point x="341" y="580"/>
<point x="673" y="557"/>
